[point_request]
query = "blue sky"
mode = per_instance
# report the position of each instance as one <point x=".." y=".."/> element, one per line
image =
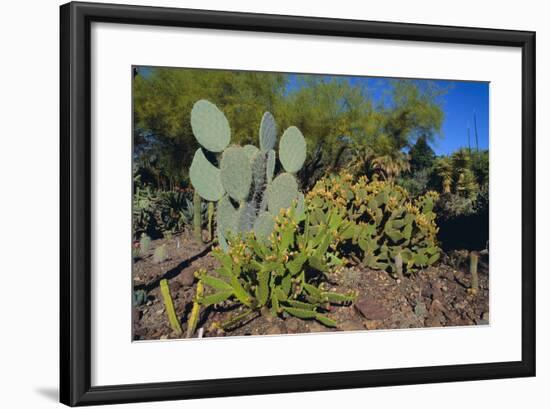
<point x="459" y="103"/>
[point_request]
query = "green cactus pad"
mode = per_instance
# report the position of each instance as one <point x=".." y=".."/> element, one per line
<point x="281" y="192"/>
<point x="236" y="172"/>
<point x="250" y="151"/>
<point x="246" y="215"/>
<point x="264" y="225"/>
<point x="226" y="216"/>
<point x="292" y="150"/>
<point x="222" y="240"/>
<point x="270" y="165"/>
<point x="205" y="177"/>
<point x="258" y="164"/>
<point x="210" y="126"/>
<point x="268" y="132"/>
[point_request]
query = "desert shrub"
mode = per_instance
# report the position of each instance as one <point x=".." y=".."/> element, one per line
<point x="282" y="273"/>
<point x="387" y="226"/>
<point x="144" y="206"/>
<point x="416" y="183"/>
<point x="161" y="213"/>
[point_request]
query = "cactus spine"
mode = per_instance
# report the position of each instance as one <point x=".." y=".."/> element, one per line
<point x="245" y="176"/>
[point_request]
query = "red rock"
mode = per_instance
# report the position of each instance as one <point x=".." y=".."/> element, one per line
<point x="371" y="309"/>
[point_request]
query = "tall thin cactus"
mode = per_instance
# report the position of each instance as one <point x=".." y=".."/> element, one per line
<point x="197" y="220"/>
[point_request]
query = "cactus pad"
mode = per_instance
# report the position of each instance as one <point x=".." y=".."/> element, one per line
<point x="226" y="216"/>
<point x="258" y="164"/>
<point x="246" y="215"/>
<point x="236" y="173"/>
<point x="205" y="177"/>
<point x="268" y="132"/>
<point x="210" y="126"/>
<point x="250" y="151"/>
<point x="292" y="150"/>
<point x="270" y="165"/>
<point x="281" y="192"/>
<point x="264" y="225"/>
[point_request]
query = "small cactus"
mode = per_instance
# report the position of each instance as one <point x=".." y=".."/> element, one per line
<point x="197" y="219"/>
<point x="169" y="305"/>
<point x="144" y="244"/>
<point x="160" y="255"/>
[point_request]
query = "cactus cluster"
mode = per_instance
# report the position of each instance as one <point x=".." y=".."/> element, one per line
<point x="388" y="231"/>
<point x="244" y="185"/>
<point x="280" y="274"/>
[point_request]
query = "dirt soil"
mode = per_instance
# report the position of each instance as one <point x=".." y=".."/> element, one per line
<point x="434" y="297"/>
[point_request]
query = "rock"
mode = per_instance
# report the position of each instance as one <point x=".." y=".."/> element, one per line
<point x="485" y="316"/>
<point x="293" y="325"/>
<point x="371" y="309"/>
<point x="436" y="291"/>
<point x="434" y="321"/>
<point x="427" y="291"/>
<point x="314" y="326"/>
<point x="187" y="278"/>
<point x="273" y="330"/>
<point x="351" y="326"/>
<point x="436" y="307"/>
<point x="372" y="325"/>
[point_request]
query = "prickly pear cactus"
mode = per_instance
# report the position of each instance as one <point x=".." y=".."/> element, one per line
<point x="248" y="193"/>
<point x="388" y="231"/>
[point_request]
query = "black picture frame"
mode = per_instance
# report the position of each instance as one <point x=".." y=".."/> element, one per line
<point x="75" y="199"/>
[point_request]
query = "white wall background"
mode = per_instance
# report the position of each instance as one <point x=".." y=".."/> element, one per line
<point x="29" y="148"/>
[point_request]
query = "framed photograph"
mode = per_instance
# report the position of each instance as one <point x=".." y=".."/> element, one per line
<point x="259" y="204"/>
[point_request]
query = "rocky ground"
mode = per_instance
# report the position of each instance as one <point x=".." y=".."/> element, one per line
<point x="435" y="297"/>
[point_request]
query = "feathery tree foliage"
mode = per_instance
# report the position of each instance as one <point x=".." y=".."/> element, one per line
<point x="342" y="125"/>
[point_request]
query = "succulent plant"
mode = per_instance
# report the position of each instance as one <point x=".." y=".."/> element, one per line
<point x="160" y="255"/>
<point x="139" y="297"/>
<point x="144" y="244"/>
<point x="244" y="186"/>
<point x="388" y="230"/>
<point x="269" y="275"/>
<point x="169" y="304"/>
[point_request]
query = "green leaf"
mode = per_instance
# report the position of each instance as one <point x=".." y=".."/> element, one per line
<point x="216" y="283"/>
<point x="240" y="292"/>
<point x="336" y="298"/>
<point x="318" y="263"/>
<point x="296" y="264"/>
<point x="263" y="286"/>
<point x="215" y="298"/>
<point x="325" y="320"/>
<point x="300" y="305"/>
<point x="300" y="313"/>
